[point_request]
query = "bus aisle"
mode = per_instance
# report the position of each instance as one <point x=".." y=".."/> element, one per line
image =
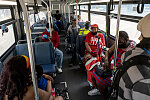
<point x="78" y="86"/>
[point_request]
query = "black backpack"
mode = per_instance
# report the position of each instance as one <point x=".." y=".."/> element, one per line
<point x="136" y="60"/>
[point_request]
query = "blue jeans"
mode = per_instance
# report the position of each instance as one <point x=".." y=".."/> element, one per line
<point x="59" y="57"/>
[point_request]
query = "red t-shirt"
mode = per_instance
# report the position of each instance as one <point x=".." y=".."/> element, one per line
<point x="93" y="40"/>
<point x="54" y="39"/>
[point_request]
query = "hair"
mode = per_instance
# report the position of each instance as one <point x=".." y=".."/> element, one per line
<point x="73" y="12"/>
<point x="123" y="35"/>
<point x="39" y="70"/>
<point x="15" y="78"/>
<point x="57" y="11"/>
<point x="47" y="25"/>
<point x="87" y="25"/>
<point x="144" y="43"/>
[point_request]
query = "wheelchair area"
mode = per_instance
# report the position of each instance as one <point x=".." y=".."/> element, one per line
<point x="77" y="85"/>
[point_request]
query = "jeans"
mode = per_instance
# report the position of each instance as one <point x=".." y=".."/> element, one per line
<point x="59" y="57"/>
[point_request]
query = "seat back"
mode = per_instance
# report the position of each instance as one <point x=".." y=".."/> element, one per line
<point x="22" y="49"/>
<point x="44" y="53"/>
<point x="80" y="45"/>
<point x="81" y="24"/>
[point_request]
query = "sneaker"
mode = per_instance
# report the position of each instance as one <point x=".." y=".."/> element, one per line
<point x="94" y="92"/>
<point x="59" y="70"/>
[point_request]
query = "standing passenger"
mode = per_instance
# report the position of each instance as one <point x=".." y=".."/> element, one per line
<point x="55" y="40"/>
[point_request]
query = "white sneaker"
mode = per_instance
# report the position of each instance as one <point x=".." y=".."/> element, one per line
<point x="59" y="70"/>
<point x="94" y="92"/>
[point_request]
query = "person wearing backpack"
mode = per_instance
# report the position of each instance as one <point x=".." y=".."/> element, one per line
<point x="134" y="83"/>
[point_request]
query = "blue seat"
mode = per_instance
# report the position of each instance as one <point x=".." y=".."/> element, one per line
<point x="22" y="49"/>
<point x="80" y="44"/>
<point x="44" y="55"/>
<point x="81" y="24"/>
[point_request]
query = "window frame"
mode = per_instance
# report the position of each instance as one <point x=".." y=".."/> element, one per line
<point x="7" y="22"/>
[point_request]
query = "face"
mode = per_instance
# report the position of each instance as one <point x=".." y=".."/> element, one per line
<point x="74" y="22"/>
<point x="94" y="30"/>
<point x="122" y="43"/>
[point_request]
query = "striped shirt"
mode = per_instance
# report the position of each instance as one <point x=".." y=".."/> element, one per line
<point x="135" y="82"/>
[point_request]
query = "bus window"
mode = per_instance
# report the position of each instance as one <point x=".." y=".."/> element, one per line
<point x="5" y="14"/>
<point x="83" y="7"/>
<point x="131" y="9"/>
<point x="98" y="8"/>
<point x="84" y="16"/>
<point x="100" y="20"/>
<point x="129" y="27"/>
<point x="7" y="39"/>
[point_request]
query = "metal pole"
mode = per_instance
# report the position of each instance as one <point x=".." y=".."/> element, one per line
<point x="48" y="12"/>
<point x="76" y="17"/>
<point x="30" y="48"/>
<point x="69" y="12"/>
<point x="117" y="35"/>
<point x="50" y="6"/>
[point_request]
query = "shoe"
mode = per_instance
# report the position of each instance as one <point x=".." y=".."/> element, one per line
<point x="59" y="70"/>
<point x="94" y="92"/>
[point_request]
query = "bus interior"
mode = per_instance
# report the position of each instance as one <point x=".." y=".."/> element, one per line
<point x="15" y="38"/>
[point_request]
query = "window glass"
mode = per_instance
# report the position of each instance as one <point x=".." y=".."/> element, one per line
<point x="129" y="27"/>
<point x="31" y="17"/>
<point x="131" y="9"/>
<point x="100" y="20"/>
<point x="84" y="7"/>
<point x="77" y="12"/>
<point x="84" y="16"/>
<point x="75" y="7"/>
<point x="7" y="39"/>
<point x="99" y="8"/>
<point x="5" y="14"/>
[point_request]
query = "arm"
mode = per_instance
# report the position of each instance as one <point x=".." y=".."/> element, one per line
<point x="48" y="77"/>
<point x="88" y="47"/>
<point x="57" y="40"/>
<point x="107" y="54"/>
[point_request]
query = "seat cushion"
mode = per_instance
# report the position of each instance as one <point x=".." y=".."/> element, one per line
<point x="49" y="68"/>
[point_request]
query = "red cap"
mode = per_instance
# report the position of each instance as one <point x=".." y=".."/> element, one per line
<point x="94" y="26"/>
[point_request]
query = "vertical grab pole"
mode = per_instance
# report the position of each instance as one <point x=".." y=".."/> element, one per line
<point x="69" y="12"/>
<point x="48" y="12"/>
<point x="76" y="17"/>
<point x="117" y="35"/>
<point x="30" y="48"/>
<point x="50" y="7"/>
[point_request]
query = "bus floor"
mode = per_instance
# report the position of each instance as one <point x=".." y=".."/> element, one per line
<point x="78" y="86"/>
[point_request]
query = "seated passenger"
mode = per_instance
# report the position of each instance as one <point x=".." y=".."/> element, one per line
<point x="45" y="82"/>
<point x="58" y="18"/>
<point x="91" y="44"/>
<point x="124" y="44"/>
<point x="72" y="26"/>
<point x="86" y="30"/>
<point x="79" y="19"/>
<point x="73" y="16"/>
<point x="16" y="83"/>
<point x="73" y="36"/>
<point x="135" y="82"/>
<point x="55" y="40"/>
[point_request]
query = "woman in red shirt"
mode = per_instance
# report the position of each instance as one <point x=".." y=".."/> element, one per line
<point x="55" y="40"/>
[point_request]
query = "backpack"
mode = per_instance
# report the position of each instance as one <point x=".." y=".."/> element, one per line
<point x="136" y="60"/>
